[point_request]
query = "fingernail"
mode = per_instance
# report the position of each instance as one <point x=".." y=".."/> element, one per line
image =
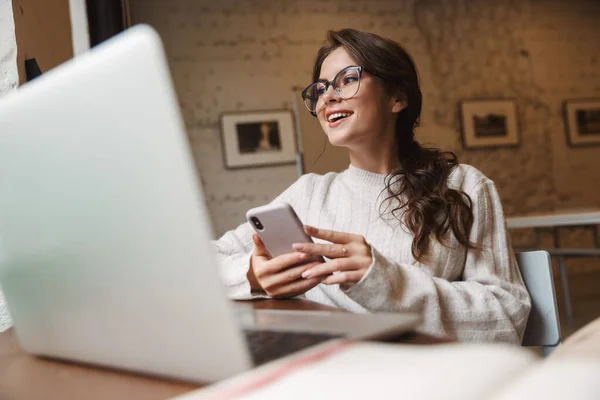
<point x="310" y="228"/>
<point x="298" y="246"/>
<point x="302" y="256"/>
<point x="307" y="274"/>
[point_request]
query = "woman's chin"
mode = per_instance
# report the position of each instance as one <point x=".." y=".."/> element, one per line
<point x="338" y="139"/>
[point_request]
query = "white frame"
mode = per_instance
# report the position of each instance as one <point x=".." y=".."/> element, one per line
<point x="507" y="107"/>
<point x="573" y="136"/>
<point x="234" y="159"/>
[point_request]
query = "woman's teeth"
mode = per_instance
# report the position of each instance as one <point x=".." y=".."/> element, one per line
<point x="336" y="116"/>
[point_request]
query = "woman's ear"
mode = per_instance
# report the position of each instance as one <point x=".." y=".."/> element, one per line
<point x="399" y="103"/>
<point x="398" y="106"/>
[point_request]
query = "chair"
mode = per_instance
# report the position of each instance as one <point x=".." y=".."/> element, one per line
<point x="543" y="326"/>
<point x="560" y="255"/>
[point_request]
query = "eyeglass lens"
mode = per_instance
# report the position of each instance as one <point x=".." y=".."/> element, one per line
<point x="345" y="84"/>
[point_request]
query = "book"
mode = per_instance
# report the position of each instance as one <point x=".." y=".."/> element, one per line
<point x="370" y="370"/>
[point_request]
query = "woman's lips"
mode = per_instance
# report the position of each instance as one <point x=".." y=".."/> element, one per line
<point x="338" y="122"/>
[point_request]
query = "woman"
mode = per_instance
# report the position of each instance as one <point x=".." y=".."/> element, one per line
<point x="404" y="228"/>
<point x="265" y="142"/>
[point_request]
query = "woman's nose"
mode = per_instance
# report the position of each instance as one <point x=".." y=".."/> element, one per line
<point x="330" y="95"/>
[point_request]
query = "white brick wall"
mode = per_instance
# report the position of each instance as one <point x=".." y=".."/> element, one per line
<point x="246" y="55"/>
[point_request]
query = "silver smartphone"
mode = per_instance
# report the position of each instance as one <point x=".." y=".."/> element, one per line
<point x="279" y="227"/>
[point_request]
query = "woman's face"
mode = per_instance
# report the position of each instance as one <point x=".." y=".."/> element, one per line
<point x="264" y="129"/>
<point x="369" y="115"/>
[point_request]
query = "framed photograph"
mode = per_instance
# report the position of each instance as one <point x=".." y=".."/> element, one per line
<point x="258" y="138"/>
<point x="489" y="123"/>
<point x="582" y="120"/>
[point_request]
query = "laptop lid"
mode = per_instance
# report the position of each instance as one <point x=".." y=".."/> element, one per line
<point x="105" y="255"/>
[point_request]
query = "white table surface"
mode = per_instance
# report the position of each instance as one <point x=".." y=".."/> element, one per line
<point x="553" y="219"/>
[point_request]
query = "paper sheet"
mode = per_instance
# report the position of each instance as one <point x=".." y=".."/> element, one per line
<point x="366" y="370"/>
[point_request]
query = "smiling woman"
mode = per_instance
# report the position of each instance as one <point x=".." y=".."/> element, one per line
<point x="404" y="228"/>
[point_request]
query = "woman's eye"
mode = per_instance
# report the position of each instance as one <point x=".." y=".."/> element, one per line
<point x="349" y="79"/>
<point x="320" y="90"/>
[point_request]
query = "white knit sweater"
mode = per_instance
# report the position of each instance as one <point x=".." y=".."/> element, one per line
<point x="474" y="295"/>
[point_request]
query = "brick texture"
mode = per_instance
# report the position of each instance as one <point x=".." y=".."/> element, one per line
<point x="247" y="55"/>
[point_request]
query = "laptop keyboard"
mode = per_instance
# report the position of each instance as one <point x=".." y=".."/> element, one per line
<point x="270" y="345"/>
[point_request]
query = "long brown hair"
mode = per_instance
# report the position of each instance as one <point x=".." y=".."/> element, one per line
<point x="419" y="184"/>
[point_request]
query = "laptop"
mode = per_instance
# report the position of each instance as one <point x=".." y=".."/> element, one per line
<point x="105" y="252"/>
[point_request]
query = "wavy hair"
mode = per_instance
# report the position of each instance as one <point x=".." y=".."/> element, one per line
<point x="429" y="207"/>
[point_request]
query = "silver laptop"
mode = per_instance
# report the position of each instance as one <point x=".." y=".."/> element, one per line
<point x="105" y="253"/>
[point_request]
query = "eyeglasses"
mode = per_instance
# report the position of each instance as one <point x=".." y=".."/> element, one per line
<point x="345" y="84"/>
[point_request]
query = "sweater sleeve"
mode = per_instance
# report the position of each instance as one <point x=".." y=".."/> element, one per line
<point x="489" y="303"/>
<point x="235" y="247"/>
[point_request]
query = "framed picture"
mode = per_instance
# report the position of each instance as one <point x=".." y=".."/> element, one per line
<point x="258" y="138"/>
<point x="582" y="120"/>
<point x="489" y="123"/>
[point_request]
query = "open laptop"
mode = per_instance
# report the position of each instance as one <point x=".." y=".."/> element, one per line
<point x="105" y="253"/>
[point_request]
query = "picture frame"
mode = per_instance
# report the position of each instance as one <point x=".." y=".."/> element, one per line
<point x="489" y="123"/>
<point x="258" y="138"/>
<point x="582" y="121"/>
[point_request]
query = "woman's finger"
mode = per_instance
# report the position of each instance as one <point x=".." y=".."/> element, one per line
<point x="259" y="248"/>
<point x="337" y="264"/>
<point x="343" y="277"/>
<point x="330" y="236"/>
<point x="275" y="265"/>
<point x="328" y="250"/>
<point x="286" y="276"/>
<point x="294" y="288"/>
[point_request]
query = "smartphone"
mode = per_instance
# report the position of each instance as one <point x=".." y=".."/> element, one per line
<point x="279" y="227"/>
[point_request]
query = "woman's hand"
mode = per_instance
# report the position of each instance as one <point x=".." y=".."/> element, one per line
<point x="350" y="257"/>
<point x="281" y="276"/>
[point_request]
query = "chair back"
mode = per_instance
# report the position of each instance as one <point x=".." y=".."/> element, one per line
<point x="543" y="326"/>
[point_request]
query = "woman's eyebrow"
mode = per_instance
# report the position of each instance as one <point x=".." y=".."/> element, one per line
<point x="327" y="80"/>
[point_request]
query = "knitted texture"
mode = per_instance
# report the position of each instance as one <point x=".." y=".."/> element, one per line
<point x="470" y="295"/>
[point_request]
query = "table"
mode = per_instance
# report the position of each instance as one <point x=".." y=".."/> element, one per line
<point x="553" y="221"/>
<point x="586" y="219"/>
<point x="564" y="218"/>
<point x="23" y="376"/>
